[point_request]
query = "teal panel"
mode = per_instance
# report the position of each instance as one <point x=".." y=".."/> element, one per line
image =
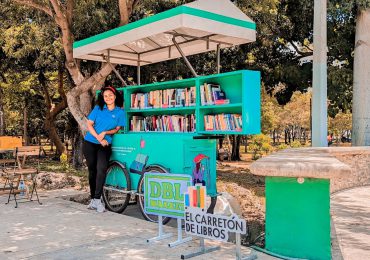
<point x="298" y="218"/>
<point x="242" y="88"/>
<point x="251" y="102"/>
<point x="231" y="83"/>
<point x="166" y="150"/>
<point x="116" y="178"/>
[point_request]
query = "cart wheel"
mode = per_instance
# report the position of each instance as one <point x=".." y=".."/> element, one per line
<point x="116" y="182"/>
<point x="150" y="217"/>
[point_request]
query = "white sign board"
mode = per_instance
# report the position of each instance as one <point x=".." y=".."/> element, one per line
<point x="211" y="226"/>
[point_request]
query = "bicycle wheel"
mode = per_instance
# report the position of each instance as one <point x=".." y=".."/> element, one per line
<point x="150" y="217"/>
<point x="116" y="187"/>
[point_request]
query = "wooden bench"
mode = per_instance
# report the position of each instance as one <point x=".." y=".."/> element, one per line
<point x="8" y="144"/>
<point x="23" y="173"/>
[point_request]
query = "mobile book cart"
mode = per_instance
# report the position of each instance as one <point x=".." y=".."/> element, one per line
<point x="167" y="136"/>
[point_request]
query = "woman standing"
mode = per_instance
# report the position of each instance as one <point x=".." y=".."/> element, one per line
<point x="104" y="120"/>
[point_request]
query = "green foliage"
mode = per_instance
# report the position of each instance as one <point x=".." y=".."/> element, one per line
<point x="259" y="144"/>
<point x="340" y="90"/>
<point x="297" y="112"/>
<point x="19" y="93"/>
<point x="64" y="162"/>
<point x="340" y="123"/>
<point x="55" y="166"/>
<point x="282" y="146"/>
<point x="295" y="144"/>
<point x="93" y="17"/>
<point x="270" y="112"/>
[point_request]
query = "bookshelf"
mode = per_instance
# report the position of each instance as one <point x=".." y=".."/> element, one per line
<point x="240" y="112"/>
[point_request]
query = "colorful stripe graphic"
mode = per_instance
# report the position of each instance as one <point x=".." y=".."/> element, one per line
<point x="187" y="202"/>
<point x="196" y="197"/>
<point x="202" y="197"/>
<point x="191" y="199"/>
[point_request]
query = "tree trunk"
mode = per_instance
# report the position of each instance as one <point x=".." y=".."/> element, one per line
<point x="25" y="119"/>
<point x="85" y="108"/>
<point x="2" y="120"/>
<point x="285" y="136"/>
<point x="361" y="81"/>
<point x="246" y="144"/>
<point x="235" y="154"/>
<point x="77" y="157"/>
<point x="220" y="142"/>
<point x="53" y="135"/>
<point x="52" y="112"/>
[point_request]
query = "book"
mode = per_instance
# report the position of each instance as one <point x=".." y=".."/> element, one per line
<point x="163" y="123"/>
<point x="192" y="96"/>
<point x="222" y="102"/>
<point x="223" y="122"/>
<point x="212" y="94"/>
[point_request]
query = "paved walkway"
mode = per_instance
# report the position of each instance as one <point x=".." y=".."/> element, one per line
<point x="60" y="229"/>
<point x="351" y="218"/>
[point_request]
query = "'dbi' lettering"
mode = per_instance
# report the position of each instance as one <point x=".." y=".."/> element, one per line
<point x="166" y="190"/>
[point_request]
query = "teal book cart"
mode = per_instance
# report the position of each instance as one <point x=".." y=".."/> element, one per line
<point x="173" y="126"/>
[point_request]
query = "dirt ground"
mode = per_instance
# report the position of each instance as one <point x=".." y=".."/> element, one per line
<point x="232" y="177"/>
<point x="249" y="190"/>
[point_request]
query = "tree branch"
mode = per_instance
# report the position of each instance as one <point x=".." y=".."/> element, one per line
<point x="38" y="6"/>
<point x="69" y="13"/>
<point x="59" y="9"/>
<point x="303" y="54"/>
<point x="82" y="87"/>
<point x="63" y="18"/>
<point x="42" y="80"/>
<point x="308" y="47"/>
<point x="123" y="12"/>
<point x="63" y="104"/>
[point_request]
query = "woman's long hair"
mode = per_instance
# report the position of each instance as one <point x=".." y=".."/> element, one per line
<point x="119" y="97"/>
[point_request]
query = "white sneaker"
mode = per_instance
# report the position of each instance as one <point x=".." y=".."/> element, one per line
<point x="100" y="207"/>
<point x="92" y="204"/>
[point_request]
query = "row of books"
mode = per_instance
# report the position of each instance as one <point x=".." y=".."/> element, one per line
<point x="165" y="98"/>
<point x="224" y="122"/>
<point x="211" y="94"/>
<point x="163" y="123"/>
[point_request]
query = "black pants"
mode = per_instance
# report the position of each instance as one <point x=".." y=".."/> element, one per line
<point x="97" y="158"/>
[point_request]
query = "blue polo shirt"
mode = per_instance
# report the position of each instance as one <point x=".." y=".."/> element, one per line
<point x="105" y="120"/>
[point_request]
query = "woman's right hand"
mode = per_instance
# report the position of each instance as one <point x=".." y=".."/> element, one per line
<point x="104" y="142"/>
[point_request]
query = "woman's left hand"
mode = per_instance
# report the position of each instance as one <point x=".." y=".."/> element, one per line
<point x="104" y="142"/>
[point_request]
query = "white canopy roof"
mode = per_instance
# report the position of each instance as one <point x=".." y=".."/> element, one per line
<point x="198" y="27"/>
